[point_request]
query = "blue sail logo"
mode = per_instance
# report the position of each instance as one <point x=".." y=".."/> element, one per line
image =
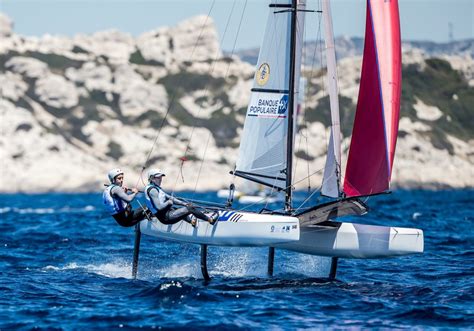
<point x="283" y="105"/>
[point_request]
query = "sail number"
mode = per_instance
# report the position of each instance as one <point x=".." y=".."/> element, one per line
<point x="282" y="229"/>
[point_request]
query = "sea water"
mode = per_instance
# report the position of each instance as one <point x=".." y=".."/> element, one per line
<point x="66" y="265"/>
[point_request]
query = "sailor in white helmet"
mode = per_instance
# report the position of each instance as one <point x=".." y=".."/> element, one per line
<point x="117" y="200"/>
<point x="162" y="205"/>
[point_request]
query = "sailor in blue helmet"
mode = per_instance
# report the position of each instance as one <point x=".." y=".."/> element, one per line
<point x="162" y="205"/>
<point x="117" y="200"/>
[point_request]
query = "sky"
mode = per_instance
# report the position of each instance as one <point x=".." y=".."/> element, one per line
<point x="420" y="19"/>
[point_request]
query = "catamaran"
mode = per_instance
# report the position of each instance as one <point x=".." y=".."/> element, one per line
<point x="271" y="121"/>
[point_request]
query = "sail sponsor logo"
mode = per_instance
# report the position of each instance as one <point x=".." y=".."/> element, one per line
<point x="263" y="74"/>
<point x="269" y="105"/>
<point x="230" y="216"/>
<point x="283" y="104"/>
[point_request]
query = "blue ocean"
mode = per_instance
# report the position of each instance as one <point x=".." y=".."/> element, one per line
<point x="67" y="265"/>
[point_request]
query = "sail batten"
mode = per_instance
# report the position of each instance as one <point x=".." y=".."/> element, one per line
<point x="374" y="135"/>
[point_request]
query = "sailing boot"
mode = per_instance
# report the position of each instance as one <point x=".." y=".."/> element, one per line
<point x="147" y="214"/>
<point x="191" y="219"/>
<point x="212" y="217"/>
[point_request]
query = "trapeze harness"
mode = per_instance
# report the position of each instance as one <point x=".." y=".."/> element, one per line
<point x="113" y="204"/>
<point x="120" y="210"/>
<point x="161" y="214"/>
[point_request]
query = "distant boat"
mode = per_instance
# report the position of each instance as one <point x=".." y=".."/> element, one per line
<point x="266" y="148"/>
<point x="253" y="193"/>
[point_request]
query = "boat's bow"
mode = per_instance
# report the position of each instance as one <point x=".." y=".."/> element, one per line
<point x="352" y="240"/>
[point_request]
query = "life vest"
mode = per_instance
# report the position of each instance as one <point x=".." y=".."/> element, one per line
<point x="160" y="213"/>
<point x="112" y="204"/>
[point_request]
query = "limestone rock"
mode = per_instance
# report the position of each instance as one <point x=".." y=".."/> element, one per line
<point x="141" y="96"/>
<point x="56" y="91"/>
<point x="6" y="26"/>
<point x="27" y="66"/>
<point x="92" y="75"/>
<point x="12" y="86"/>
<point x="114" y="46"/>
<point x="86" y="104"/>
<point x="191" y="40"/>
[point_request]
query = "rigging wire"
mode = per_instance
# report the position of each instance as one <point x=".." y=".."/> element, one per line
<point x="308" y="198"/>
<point x="227" y="72"/>
<point x="202" y="162"/>
<point x="271" y="192"/>
<point x="168" y="110"/>
<point x="305" y="116"/>
<point x="206" y="92"/>
<point x="225" y="78"/>
<point x="261" y="200"/>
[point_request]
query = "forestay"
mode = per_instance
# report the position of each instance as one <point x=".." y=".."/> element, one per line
<point x="263" y="148"/>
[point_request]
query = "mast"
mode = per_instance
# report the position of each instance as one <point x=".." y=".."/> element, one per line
<point x="291" y="98"/>
<point x="332" y="171"/>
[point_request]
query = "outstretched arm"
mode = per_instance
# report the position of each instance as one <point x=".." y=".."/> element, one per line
<point x="120" y="193"/>
<point x="178" y="201"/>
<point x="173" y="199"/>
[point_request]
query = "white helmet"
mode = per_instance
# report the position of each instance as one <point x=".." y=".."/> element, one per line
<point x="155" y="173"/>
<point x="114" y="173"/>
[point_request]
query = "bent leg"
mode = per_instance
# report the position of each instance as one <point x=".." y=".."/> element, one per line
<point x="129" y="218"/>
<point x="139" y="214"/>
<point x="125" y="219"/>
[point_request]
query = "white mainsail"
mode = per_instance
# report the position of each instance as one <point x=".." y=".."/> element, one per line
<point x="332" y="170"/>
<point x="263" y="148"/>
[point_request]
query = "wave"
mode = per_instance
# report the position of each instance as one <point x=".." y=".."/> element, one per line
<point x="224" y="265"/>
<point x="123" y="269"/>
<point x="110" y="270"/>
<point x="437" y="315"/>
<point x="66" y="209"/>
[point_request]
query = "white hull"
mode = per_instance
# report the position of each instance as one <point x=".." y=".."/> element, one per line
<point x="351" y="240"/>
<point x="348" y="240"/>
<point x="233" y="229"/>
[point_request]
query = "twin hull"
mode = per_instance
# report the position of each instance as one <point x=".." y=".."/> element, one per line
<point x="336" y="239"/>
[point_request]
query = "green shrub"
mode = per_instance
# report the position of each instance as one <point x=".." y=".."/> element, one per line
<point x="435" y="86"/>
<point x="77" y="49"/>
<point x="322" y="113"/>
<point x="115" y="150"/>
<point x="182" y="83"/>
<point x="302" y="155"/>
<point x="55" y="61"/>
<point x="137" y="58"/>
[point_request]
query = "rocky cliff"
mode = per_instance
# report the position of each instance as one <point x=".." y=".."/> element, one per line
<point x="71" y="108"/>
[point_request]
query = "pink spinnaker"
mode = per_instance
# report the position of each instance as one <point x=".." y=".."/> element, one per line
<point x="374" y="136"/>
